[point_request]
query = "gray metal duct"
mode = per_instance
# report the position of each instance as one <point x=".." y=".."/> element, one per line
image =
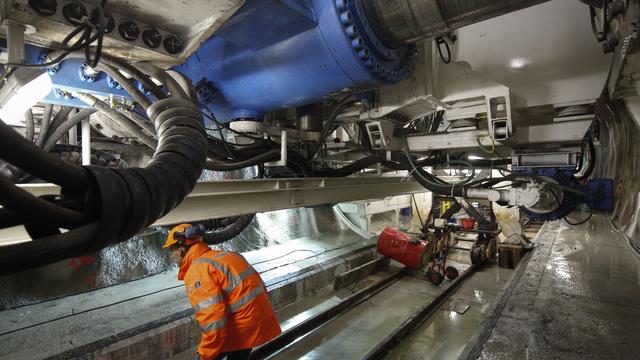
<point x="403" y="21"/>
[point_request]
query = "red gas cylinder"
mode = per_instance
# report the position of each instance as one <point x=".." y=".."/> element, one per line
<point x="401" y="247"/>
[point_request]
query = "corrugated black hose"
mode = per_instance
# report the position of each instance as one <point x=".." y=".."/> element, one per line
<point x="228" y="229"/>
<point x="100" y="206"/>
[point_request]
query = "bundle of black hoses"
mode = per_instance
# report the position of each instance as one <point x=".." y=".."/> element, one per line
<point x="220" y="230"/>
<point x="99" y="206"/>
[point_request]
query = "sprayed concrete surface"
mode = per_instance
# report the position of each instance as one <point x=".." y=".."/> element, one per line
<point x="150" y="318"/>
<point x="577" y="299"/>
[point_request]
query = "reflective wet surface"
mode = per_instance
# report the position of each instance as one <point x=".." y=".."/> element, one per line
<point x="578" y="299"/>
<point x="446" y="334"/>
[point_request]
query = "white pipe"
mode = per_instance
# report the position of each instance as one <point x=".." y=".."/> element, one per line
<point x="86" y="142"/>
<point x="283" y="148"/>
<point x="492" y="195"/>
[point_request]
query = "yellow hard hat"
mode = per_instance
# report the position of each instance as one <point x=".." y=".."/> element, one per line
<point x="177" y="236"/>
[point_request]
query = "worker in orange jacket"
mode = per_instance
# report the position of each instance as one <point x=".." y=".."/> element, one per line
<point x="228" y="296"/>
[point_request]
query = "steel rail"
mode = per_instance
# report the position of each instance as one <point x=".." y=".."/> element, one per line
<point x="289" y="336"/>
<point x="419" y="317"/>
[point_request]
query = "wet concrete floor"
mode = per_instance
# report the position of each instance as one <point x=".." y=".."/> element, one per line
<point x="447" y="332"/>
<point x="579" y="298"/>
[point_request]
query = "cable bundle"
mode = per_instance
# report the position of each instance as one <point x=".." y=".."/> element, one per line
<point x="99" y="206"/>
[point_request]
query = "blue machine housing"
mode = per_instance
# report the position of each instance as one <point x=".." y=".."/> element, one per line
<point x="272" y="54"/>
<point x="276" y="54"/>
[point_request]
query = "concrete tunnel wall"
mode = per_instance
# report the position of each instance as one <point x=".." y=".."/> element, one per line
<point x="143" y="256"/>
<point x="619" y="159"/>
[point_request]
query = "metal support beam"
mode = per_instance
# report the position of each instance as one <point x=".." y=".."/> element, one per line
<point x="15" y="41"/>
<point x="448" y="141"/>
<point x="556" y="133"/>
<point x="217" y="199"/>
<point x="237" y="197"/>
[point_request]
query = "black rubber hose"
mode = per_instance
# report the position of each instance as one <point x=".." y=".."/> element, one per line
<point x="592" y="162"/>
<point x="44" y="125"/>
<point x="247" y="157"/>
<point x="351" y="168"/>
<point x="298" y="164"/>
<point x="230" y="231"/>
<point x="73" y="154"/>
<point x="258" y="160"/>
<point x="28" y="157"/>
<point x="174" y="87"/>
<point x="64" y="128"/>
<point x="396" y="162"/>
<point x="141" y="121"/>
<point x="61" y="116"/>
<point x="10" y="219"/>
<point x="126" y="84"/>
<point x="146" y="194"/>
<point x="138" y="75"/>
<point x="32" y="254"/>
<point x="126" y="200"/>
<point x="185" y="83"/>
<point x="18" y="201"/>
<point x="119" y="118"/>
<point x="30" y="126"/>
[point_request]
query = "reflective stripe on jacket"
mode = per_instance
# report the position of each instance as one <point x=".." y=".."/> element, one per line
<point x="229" y="299"/>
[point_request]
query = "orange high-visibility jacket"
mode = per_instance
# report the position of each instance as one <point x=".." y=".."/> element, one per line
<point x="229" y="299"/>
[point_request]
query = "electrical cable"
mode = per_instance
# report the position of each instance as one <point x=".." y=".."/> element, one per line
<point x="423" y="177"/>
<point x="126" y="84"/>
<point x="260" y="159"/>
<point x="439" y="42"/>
<point x="44" y="125"/>
<point x="61" y="116"/>
<point x="118" y="117"/>
<point x="66" y="126"/>
<point x="580" y="222"/>
<point x="73" y="154"/>
<point x="18" y="200"/>
<point x="25" y="155"/>
<point x="592" y="161"/>
<point x="114" y="204"/>
<point x="131" y="70"/>
<point x="86" y="28"/>
<point x="153" y="71"/>
<point x="325" y="129"/>
<point x="211" y="117"/>
<point x="491" y="150"/>
<point x="222" y="138"/>
<point x="141" y="121"/>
